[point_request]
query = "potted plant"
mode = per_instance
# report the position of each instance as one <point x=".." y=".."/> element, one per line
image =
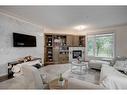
<point x="61" y="80"/>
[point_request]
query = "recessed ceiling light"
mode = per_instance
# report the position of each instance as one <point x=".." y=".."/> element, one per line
<point x="80" y="27"/>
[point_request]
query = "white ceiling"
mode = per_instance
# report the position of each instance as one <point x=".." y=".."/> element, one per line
<point x="68" y="16"/>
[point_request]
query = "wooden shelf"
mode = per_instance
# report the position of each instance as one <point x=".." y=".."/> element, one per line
<point x="48" y="49"/>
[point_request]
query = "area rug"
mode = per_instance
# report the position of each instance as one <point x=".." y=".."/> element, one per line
<point x="90" y="75"/>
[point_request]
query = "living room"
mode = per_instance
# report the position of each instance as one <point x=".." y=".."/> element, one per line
<point x="77" y="44"/>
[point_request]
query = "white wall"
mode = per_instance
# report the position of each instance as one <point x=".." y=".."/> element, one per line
<point x="8" y="53"/>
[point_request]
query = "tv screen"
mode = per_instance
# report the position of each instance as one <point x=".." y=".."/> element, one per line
<point x="23" y="40"/>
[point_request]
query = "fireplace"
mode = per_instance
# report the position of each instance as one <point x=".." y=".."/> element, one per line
<point x="77" y="53"/>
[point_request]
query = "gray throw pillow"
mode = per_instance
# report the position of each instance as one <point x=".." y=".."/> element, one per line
<point x="118" y="58"/>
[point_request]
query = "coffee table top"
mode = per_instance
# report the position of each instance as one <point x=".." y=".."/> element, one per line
<point x="54" y="84"/>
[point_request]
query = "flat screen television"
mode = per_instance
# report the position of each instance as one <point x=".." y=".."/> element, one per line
<point x="23" y="40"/>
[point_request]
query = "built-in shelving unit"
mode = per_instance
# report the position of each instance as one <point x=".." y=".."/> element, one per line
<point x="49" y="48"/>
<point x="57" y="47"/>
<point x="82" y="41"/>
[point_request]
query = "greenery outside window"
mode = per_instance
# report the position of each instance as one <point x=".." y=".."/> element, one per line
<point x="100" y="45"/>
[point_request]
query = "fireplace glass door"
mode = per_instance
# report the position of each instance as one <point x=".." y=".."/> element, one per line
<point x="77" y="53"/>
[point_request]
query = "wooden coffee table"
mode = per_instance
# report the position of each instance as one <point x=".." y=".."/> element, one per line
<point x="55" y="85"/>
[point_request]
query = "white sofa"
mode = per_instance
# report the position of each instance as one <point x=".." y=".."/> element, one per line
<point x="97" y="64"/>
<point x="110" y="78"/>
<point x="30" y="79"/>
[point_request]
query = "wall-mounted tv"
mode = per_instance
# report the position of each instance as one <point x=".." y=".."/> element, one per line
<point x="23" y="40"/>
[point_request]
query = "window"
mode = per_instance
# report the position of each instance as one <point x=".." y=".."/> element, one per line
<point x="100" y="45"/>
<point x="90" y="45"/>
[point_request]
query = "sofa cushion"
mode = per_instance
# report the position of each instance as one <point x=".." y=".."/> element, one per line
<point x="99" y="62"/>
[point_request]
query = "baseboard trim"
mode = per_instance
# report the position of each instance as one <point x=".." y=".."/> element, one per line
<point x="3" y="78"/>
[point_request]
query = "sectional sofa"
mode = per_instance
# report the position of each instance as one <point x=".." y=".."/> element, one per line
<point x="110" y="78"/>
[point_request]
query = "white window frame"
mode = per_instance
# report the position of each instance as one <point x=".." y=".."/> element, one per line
<point x="101" y="35"/>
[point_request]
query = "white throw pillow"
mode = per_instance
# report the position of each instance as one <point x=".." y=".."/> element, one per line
<point x="16" y="68"/>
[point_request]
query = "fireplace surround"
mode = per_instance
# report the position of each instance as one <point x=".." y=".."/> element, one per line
<point x="75" y="52"/>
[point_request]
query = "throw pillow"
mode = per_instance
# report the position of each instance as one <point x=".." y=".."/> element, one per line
<point x="121" y="65"/>
<point x="17" y="70"/>
<point x="37" y="66"/>
<point x="118" y="58"/>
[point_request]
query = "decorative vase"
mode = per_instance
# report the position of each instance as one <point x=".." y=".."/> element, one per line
<point x="61" y="83"/>
<point x="61" y="80"/>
